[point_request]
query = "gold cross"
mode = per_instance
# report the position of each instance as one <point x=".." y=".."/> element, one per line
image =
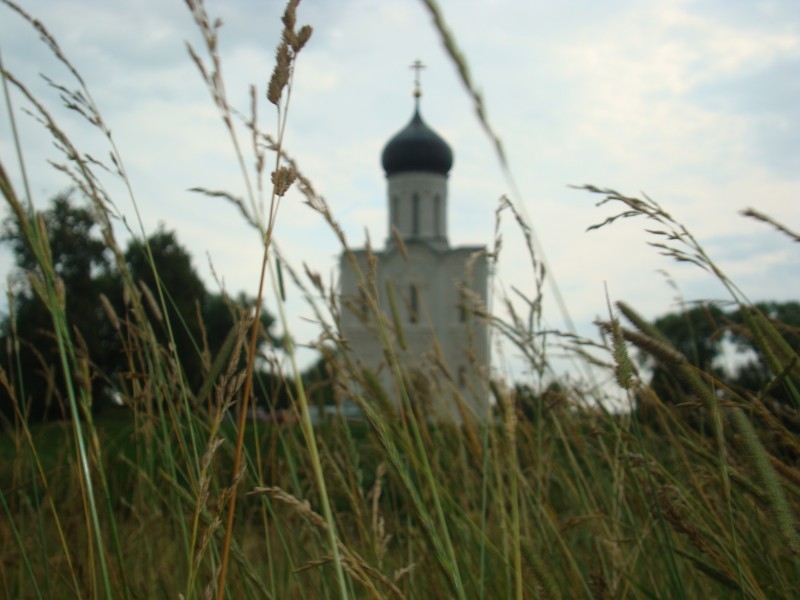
<point x="417" y="66"/>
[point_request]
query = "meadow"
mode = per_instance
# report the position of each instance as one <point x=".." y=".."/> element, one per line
<point x="690" y="495"/>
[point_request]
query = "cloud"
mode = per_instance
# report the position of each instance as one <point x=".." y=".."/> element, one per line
<point x="767" y="97"/>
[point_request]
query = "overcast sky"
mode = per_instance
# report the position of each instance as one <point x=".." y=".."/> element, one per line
<point x="696" y="103"/>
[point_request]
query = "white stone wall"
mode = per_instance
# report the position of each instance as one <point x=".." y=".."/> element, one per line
<point x="436" y="274"/>
<point x="430" y="206"/>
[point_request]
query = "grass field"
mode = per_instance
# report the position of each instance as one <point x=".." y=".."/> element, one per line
<point x="589" y="504"/>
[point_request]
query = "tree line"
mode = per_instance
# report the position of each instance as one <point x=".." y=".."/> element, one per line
<point x="717" y="343"/>
<point x="196" y="327"/>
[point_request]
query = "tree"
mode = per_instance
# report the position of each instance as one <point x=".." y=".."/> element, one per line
<point x="81" y="261"/>
<point x="161" y="263"/>
<point x="706" y="333"/>
<point x="192" y="324"/>
<point x="533" y="405"/>
<point x="697" y="333"/>
<point x="754" y="373"/>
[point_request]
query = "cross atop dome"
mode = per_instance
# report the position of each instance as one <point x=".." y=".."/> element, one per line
<point x="417" y="147"/>
<point x="417" y="66"/>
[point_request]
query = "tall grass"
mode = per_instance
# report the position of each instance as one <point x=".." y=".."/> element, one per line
<point x="553" y="496"/>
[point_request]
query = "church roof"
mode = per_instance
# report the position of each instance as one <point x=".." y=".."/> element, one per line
<point x="417" y="147"/>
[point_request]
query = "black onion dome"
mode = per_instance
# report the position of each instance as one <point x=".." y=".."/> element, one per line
<point x="417" y="148"/>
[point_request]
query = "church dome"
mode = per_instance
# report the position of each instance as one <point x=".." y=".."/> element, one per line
<point x="417" y="147"/>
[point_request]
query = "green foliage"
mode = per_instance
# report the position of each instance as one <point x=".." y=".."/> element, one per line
<point x="761" y="371"/>
<point x="196" y="323"/>
<point x="82" y="262"/>
<point x="697" y="333"/>
<point x="702" y="335"/>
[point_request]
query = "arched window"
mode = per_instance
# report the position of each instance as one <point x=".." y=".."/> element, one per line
<point x="437" y="207"/>
<point x="413" y="303"/>
<point x="395" y="208"/>
<point x="415" y="214"/>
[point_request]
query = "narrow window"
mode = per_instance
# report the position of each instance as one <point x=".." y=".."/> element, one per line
<point x="395" y="210"/>
<point x="415" y="214"/>
<point x="437" y="206"/>
<point x="413" y="303"/>
<point x="362" y="302"/>
<point x="462" y="307"/>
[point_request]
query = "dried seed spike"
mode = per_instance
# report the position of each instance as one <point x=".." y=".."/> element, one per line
<point x="759" y="216"/>
<point x="289" y="38"/>
<point x="110" y="312"/>
<point x="36" y="285"/>
<point x="290" y="15"/>
<point x="657" y="348"/>
<point x="61" y="292"/>
<point x="302" y="38"/>
<point x="623" y="367"/>
<point x="398" y="239"/>
<point x="151" y="301"/>
<point x="282" y="179"/>
<point x="280" y="74"/>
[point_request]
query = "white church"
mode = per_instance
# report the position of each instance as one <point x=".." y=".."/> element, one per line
<point x="430" y="294"/>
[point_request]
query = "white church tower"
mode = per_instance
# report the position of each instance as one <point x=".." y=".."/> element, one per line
<point x="432" y="292"/>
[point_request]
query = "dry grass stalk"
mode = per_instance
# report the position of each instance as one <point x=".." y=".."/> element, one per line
<point x="110" y="313"/>
<point x="378" y="522"/>
<point x="759" y="216"/>
<point x="655" y="347"/>
<point x="784" y="517"/>
<point x="151" y="301"/>
<point x="460" y="61"/>
<point x="353" y="562"/>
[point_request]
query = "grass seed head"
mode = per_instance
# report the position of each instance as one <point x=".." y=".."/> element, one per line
<point x="282" y="179"/>
<point x="280" y="74"/>
<point x="302" y="37"/>
<point x="151" y="301"/>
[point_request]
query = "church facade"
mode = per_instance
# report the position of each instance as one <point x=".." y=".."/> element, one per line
<point x="431" y="297"/>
